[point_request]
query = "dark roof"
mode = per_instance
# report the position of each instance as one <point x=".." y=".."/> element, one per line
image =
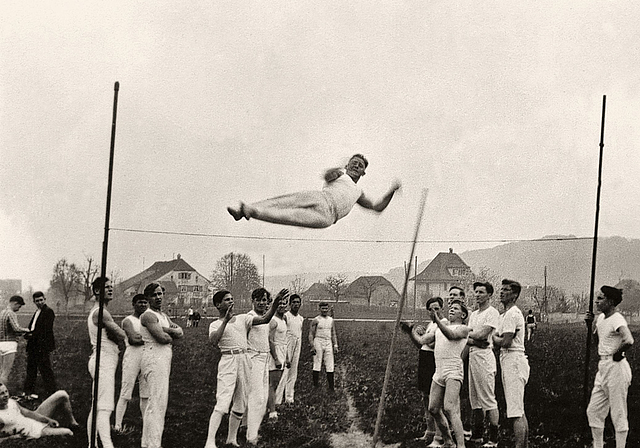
<point x="362" y="284"/>
<point x="155" y="271"/>
<point x="317" y="289"/>
<point x="438" y="269"/>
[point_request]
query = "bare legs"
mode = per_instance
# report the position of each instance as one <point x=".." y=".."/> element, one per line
<point x="58" y="404"/>
<point x="448" y="398"/>
<point x="302" y="209"/>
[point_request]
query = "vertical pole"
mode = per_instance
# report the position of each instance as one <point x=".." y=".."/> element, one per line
<point x="415" y="291"/>
<point x="589" y="320"/>
<point x="387" y="374"/>
<point x="103" y="268"/>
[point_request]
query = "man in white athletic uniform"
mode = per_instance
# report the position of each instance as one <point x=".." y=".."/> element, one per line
<point x="318" y="209"/>
<point x="324" y="343"/>
<point x="158" y="332"/>
<point x="614" y="373"/>
<point x="131" y="359"/>
<point x="112" y="335"/>
<point x="279" y="357"/>
<point x="294" y="337"/>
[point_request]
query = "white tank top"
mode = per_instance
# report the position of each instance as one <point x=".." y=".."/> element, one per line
<point x="144" y="332"/>
<point x="258" y="338"/>
<point x="323" y="330"/>
<point x="294" y="325"/>
<point x="135" y="323"/>
<point x="107" y="344"/>
<point x="344" y="194"/>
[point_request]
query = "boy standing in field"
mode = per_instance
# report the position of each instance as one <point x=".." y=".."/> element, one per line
<point x="614" y="373"/>
<point x="279" y="358"/>
<point x="229" y="334"/>
<point x="450" y="341"/>
<point x="509" y="336"/>
<point x="294" y="337"/>
<point x="324" y="343"/>
<point x="482" y="365"/>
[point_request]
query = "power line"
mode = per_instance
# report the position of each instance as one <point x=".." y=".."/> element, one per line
<point x="332" y="240"/>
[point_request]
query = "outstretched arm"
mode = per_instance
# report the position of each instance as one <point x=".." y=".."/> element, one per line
<point x="380" y="205"/>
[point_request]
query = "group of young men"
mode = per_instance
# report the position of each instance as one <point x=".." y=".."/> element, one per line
<point x="461" y="350"/>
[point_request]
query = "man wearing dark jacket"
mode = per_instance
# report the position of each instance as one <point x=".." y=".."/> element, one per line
<point x="40" y="343"/>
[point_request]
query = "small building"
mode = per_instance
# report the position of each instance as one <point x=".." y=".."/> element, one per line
<point x="184" y="286"/>
<point x="447" y="269"/>
<point x="372" y="290"/>
<point x="318" y="292"/>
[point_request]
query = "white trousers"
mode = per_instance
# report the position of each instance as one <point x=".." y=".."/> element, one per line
<point x="324" y="352"/>
<point x="155" y="370"/>
<point x="290" y="376"/>
<point x="610" y="394"/>
<point x="258" y="393"/>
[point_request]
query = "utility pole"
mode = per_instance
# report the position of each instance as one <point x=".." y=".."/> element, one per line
<point x="545" y="291"/>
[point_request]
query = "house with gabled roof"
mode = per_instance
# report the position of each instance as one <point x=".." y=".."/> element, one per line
<point x="372" y="290"/>
<point x="447" y="269"/>
<point x="184" y="286"/>
<point x="318" y="292"/>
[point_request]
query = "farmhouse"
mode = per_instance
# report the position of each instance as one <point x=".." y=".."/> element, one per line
<point x="372" y="290"/>
<point x="318" y="292"/>
<point x="446" y="270"/>
<point x="184" y="286"/>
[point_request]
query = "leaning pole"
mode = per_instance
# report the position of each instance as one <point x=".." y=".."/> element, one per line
<point x="387" y="373"/>
<point x="103" y="269"/>
<point x="589" y="321"/>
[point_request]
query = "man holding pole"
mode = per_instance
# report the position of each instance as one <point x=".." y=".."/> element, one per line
<point x="614" y="373"/>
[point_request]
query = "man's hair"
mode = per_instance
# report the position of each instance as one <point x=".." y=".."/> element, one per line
<point x="530" y="311"/>
<point x="515" y="286"/>
<point x="614" y="294"/>
<point x="321" y="304"/>
<point x="97" y="285"/>
<point x="488" y="286"/>
<point x="295" y="296"/>
<point x="218" y="296"/>
<point x="150" y="289"/>
<point x="17" y="299"/>
<point x="138" y="297"/>
<point x="259" y="292"/>
<point x="360" y="156"/>
<point x="434" y="299"/>
<point x="37" y="294"/>
<point x="459" y="288"/>
<point x="463" y="307"/>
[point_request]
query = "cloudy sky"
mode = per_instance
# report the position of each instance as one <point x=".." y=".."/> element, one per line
<point x="495" y="107"/>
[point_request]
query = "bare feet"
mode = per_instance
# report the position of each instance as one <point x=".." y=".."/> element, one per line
<point x="236" y="212"/>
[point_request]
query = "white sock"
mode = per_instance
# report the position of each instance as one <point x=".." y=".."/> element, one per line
<point x="598" y="437"/>
<point x="621" y="439"/>
<point x="214" y="424"/>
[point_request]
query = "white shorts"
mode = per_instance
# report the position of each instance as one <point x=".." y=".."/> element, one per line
<point x="8" y="347"/>
<point x="515" y="375"/>
<point x="482" y="379"/>
<point x="233" y="383"/>
<point x="107" y="380"/>
<point x="448" y="372"/>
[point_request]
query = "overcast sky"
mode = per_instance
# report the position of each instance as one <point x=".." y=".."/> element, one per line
<point x="495" y="107"/>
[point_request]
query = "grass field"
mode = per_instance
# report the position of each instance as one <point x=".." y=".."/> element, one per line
<point x="553" y="400"/>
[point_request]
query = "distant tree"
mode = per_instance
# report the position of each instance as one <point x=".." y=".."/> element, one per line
<point x="65" y="281"/>
<point x="298" y="285"/>
<point x="236" y="273"/>
<point x="336" y="284"/>
<point x="87" y="274"/>
<point x="630" y="296"/>
<point x="368" y="286"/>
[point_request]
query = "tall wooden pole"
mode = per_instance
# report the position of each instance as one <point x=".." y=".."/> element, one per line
<point x="103" y="269"/>
<point x="589" y="320"/>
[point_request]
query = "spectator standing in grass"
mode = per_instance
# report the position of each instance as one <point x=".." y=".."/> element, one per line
<point x="294" y="338"/>
<point x="40" y="343"/>
<point x="19" y="422"/>
<point x="158" y="333"/>
<point x="324" y="343"/>
<point x="229" y="334"/>
<point x="509" y="336"/>
<point x="531" y="325"/>
<point x="482" y="365"/>
<point x="427" y="365"/>
<point x="131" y="359"/>
<point x="196" y="318"/>
<point x="279" y="358"/>
<point x="111" y="337"/>
<point x="612" y="381"/>
<point x="450" y="340"/>
<point x="10" y="330"/>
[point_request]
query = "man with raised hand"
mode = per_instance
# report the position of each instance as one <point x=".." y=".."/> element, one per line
<point x="131" y="359"/>
<point x="318" y="209"/>
<point x="612" y="381"/>
<point x="158" y="333"/>
<point x="294" y="338"/>
<point x="509" y="336"/>
<point x="111" y="337"/>
<point x="482" y="365"/>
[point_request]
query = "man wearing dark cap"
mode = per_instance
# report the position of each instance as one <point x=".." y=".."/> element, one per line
<point x="40" y="343"/>
<point x="614" y="373"/>
<point x="10" y="329"/>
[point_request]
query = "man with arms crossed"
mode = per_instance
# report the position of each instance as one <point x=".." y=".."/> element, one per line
<point x="614" y="373"/>
<point x="509" y="336"/>
<point x="324" y="343"/>
<point x="482" y="365"/>
<point x="112" y="335"/>
<point x="158" y="332"/>
<point x="294" y="338"/>
<point x="131" y="359"/>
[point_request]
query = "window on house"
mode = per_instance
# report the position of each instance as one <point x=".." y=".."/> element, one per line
<point x="183" y="289"/>
<point x="184" y="275"/>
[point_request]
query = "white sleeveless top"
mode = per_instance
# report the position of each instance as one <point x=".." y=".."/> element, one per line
<point x="294" y="325"/>
<point x="107" y="345"/>
<point x="144" y="332"/>
<point x="135" y="323"/>
<point x="323" y="330"/>
<point x="344" y="194"/>
<point x="258" y="338"/>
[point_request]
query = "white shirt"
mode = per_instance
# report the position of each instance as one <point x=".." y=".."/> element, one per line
<point x="609" y="339"/>
<point x="135" y="323"/>
<point x="235" y="333"/>
<point x="107" y="345"/>
<point x="487" y="318"/>
<point x="511" y="321"/>
<point x="294" y="325"/>
<point x="147" y="337"/>
<point x="344" y="194"/>
<point x="323" y="330"/>
<point x="258" y="338"/>
<point x="35" y="319"/>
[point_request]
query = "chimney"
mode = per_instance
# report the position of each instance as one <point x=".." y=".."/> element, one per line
<point x="451" y="250"/>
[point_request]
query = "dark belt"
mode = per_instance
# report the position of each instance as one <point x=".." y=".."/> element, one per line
<point x="235" y="351"/>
